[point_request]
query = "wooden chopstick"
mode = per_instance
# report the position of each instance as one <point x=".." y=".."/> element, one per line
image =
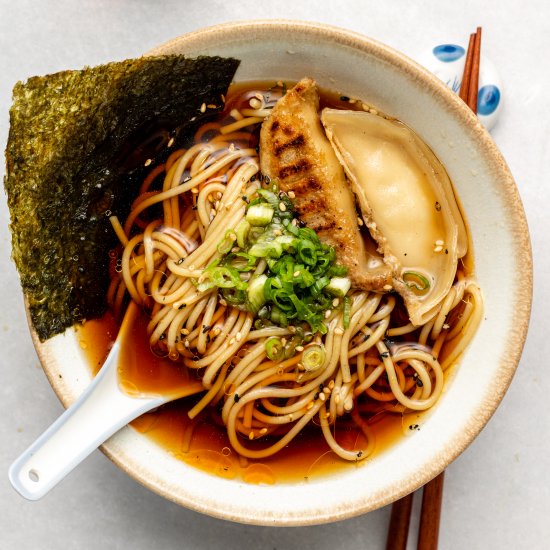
<point x="465" y="84"/>
<point x="474" y="76"/>
<point x="470" y="78"/>
<point x="398" y="531"/>
<point x="428" y="531"/>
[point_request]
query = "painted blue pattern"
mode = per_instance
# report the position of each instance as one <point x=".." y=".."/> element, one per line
<point x="488" y="99"/>
<point x="448" y="52"/>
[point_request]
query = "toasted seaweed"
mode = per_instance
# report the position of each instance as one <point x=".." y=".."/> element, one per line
<point x="77" y="141"/>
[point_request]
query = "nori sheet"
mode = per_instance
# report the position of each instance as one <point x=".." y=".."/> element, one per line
<point x="70" y="158"/>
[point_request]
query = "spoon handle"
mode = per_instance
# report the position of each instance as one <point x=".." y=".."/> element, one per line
<point x="99" y="412"/>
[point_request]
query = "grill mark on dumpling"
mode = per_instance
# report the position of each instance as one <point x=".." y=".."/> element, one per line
<point x="287" y="130"/>
<point x="298" y="167"/>
<point x="293" y="143"/>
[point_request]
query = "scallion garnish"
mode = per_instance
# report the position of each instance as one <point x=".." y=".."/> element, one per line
<point x="274" y="349"/>
<point x="313" y="357"/>
<point x="300" y="278"/>
<point x="417" y="282"/>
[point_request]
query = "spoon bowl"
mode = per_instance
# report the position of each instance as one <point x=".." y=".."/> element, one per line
<point x="99" y="412"/>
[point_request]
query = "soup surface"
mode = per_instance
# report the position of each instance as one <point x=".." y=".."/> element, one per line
<point x="203" y="443"/>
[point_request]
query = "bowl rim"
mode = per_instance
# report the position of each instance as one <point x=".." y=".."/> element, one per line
<point x="370" y="46"/>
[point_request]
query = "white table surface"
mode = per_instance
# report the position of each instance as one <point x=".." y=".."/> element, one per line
<point x="497" y="494"/>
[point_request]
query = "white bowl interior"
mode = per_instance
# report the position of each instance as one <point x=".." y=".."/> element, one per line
<point x="359" y="67"/>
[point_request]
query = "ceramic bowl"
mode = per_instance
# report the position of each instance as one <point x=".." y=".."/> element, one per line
<point x="359" y="66"/>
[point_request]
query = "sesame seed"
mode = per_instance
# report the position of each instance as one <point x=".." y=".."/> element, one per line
<point x="232" y="341"/>
<point x="283" y="341"/>
<point x="223" y="302"/>
<point x="331" y="384"/>
<point x="326" y="391"/>
<point x="438" y="248"/>
<point x="337" y="398"/>
<point x="296" y="274"/>
<point x="219" y="195"/>
<point x="211" y="106"/>
<point x="322" y="396"/>
<point x="194" y="190"/>
<point x="282" y="207"/>
<point x="328" y="313"/>
<point x="373" y="111"/>
<point x="203" y="107"/>
<point x="238" y="336"/>
<point x="291" y="195"/>
<point x="439" y="242"/>
<point x="235" y="249"/>
<point x="446" y="326"/>
<point x="171" y="142"/>
<point x="294" y="222"/>
<point x="184" y="331"/>
<point x="280" y="83"/>
<point x="290" y="418"/>
<point x="339" y="331"/>
<point x="148" y="162"/>
<point x="277" y="232"/>
<point x="360" y="221"/>
<point x="263" y="431"/>
<point x="251" y="435"/>
<point x="216" y="331"/>
<point x="309" y="405"/>
<point x="299" y="348"/>
<point x="186" y="343"/>
<point x="387" y="287"/>
<point x="335" y="302"/>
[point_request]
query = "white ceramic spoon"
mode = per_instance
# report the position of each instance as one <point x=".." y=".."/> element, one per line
<point x="100" y="411"/>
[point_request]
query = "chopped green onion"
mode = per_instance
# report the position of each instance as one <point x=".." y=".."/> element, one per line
<point x="338" y="286"/>
<point x="279" y="271"/>
<point x="234" y="297"/>
<point x="278" y="317"/>
<point x="228" y="241"/>
<point x="417" y="282"/>
<point x="242" y="231"/>
<point x="266" y="249"/>
<point x="313" y="357"/>
<point x="274" y="349"/>
<point x="256" y="295"/>
<point x="347" y="311"/>
<point x="259" y="214"/>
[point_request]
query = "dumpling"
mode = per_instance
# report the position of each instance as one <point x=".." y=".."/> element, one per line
<point x="407" y="203"/>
